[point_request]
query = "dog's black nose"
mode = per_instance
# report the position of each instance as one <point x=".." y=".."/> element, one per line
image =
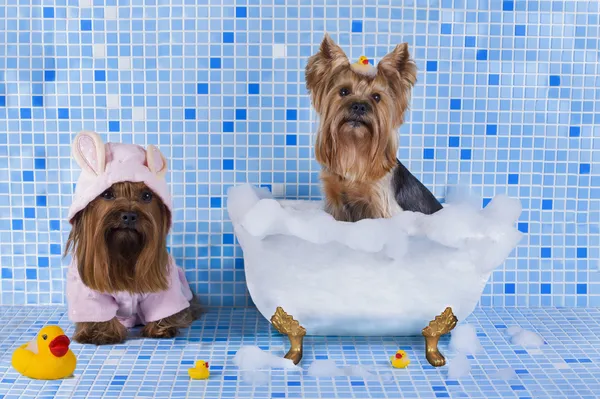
<point x="359" y="108"/>
<point x="128" y="219"/>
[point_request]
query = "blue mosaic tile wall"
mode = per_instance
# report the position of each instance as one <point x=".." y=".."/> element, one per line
<point x="508" y="98"/>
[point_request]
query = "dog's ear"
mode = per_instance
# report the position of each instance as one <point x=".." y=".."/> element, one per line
<point x="320" y="65"/>
<point x="157" y="163"/>
<point x="398" y="64"/>
<point x="89" y="152"/>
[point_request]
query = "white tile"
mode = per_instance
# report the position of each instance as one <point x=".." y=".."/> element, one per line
<point x="535" y="351"/>
<point x="85" y="3"/>
<point x="99" y="50"/>
<point x="112" y="101"/>
<point x="279" y="50"/>
<point x="111" y="12"/>
<point x="562" y="366"/>
<point x="124" y="62"/>
<point x="277" y="189"/>
<point x="138" y="113"/>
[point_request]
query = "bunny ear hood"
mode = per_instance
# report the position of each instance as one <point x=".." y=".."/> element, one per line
<point x="102" y="165"/>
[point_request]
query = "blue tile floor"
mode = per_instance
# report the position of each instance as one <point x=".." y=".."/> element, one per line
<point x="566" y="367"/>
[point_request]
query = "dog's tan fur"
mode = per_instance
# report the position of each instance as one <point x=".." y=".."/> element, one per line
<point x="358" y="158"/>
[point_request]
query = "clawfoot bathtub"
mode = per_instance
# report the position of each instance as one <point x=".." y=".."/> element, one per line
<point x="373" y="277"/>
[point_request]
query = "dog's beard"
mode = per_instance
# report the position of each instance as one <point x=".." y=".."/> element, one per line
<point x="125" y="244"/>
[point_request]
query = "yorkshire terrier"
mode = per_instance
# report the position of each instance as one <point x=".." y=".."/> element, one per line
<point x="121" y="274"/>
<point x="360" y="110"/>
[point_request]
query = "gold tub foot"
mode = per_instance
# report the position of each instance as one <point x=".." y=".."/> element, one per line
<point x="285" y="324"/>
<point x="441" y="325"/>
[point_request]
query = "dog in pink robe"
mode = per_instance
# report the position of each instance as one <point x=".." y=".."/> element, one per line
<point x="121" y="274"/>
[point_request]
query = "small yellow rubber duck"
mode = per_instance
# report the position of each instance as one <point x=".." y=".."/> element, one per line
<point x="363" y="66"/>
<point x="400" y="360"/>
<point x="46" y="357"/>
<point x="200" y="371"/>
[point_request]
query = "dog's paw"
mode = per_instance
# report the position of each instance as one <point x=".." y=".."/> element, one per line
<point x="154" y="330"/>
<point x="103" y="333"/>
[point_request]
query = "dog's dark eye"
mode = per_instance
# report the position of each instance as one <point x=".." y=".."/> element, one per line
<point x="344" y="92"/>
<point x="108" y="195"/>
<point x="146" y="196"/>
<point x="45" y="337"/>
<point x="376" y="97"/>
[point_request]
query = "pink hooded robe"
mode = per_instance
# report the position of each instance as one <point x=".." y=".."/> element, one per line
<point x="102" y="166"/>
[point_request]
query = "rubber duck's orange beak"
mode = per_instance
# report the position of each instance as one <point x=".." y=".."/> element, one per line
<point x="398" y="355"/>
<point x="59" y="346"/>
<point x="365" y="61"/>
<point x="206" y="364"/>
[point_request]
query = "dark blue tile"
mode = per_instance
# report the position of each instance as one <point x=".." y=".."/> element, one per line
<point x="253" y="88"/>
<point x="446" y="29"/>
<point x="215" y="202"/>
<point x="554" y="80"/>
<point x="517" y="387"/>
<point x="293" y="383"/>
<point x="41" y="200"/>
<point x="439" y="388"/>
<point x="228" y="238"/>
<point x="546" y="204"/>
<point x="494" y="79"/>
<point x="290" y="139"/>
<point x="546" y="288"/>
<point x="508" y="5"/>
<point x="357" y="383"/>
<point x="523" y="227"/>
<point x="357" y="26"/>
<point x="86" y="24"/>
<point x="49" y="76"/>
<point x="230" y="378"/>
<point x="470" y="41"/>
<point x="43" y="261"/>
<point x="241" y="12"/>
<point x="114" y="126"/>
<point x="574" y="131"/>
<point x="428" y="153"/>
<point x="227" y="127"/>
<point x="228" y="164"/>
<point x="453" y="141"/>
<point x="31" y="274"/>
<point x="546" y="253"/>
<point x="202" y="88"/>
<point x="581" y="288"/>
<point x="520" y="352"/>
<point x="63" y="113"/>
<point x="455" y="103"/>
<point x="520" y="30"/>
<point x="291" y="115"/>
<point x="215" y="63"/>
<point x="25" y="113"/>
<point x="228" y="37"/>
<point x="48" y="12"/>
<point x="29" y="213"/>
<point x="491" y="130"/>
<point x="584" y="168"/>
<point x="482" y="55"/>
<point x="513" y="178"/>
<point x="240" y="114"/>
<point x="581" y="253"/>
<point x="465" y="154"/>
<point x="432" y="66"/>
<point x="190" y="113"/>
<point x="17" y="224"/>
<point x="37" y="101"/>
<point x="100" y="76"/>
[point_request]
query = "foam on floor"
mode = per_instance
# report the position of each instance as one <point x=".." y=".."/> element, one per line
<point x="372" y="277"/>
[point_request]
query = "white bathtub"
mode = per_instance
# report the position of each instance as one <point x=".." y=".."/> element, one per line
<point x="373" y="277"/>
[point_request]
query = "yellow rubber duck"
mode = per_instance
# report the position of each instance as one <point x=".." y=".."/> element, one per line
<point x="363" y="66"/>
<point x="200" y="371"/>
<point x="400" y="360"/>
<point x="46" y="357"/>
